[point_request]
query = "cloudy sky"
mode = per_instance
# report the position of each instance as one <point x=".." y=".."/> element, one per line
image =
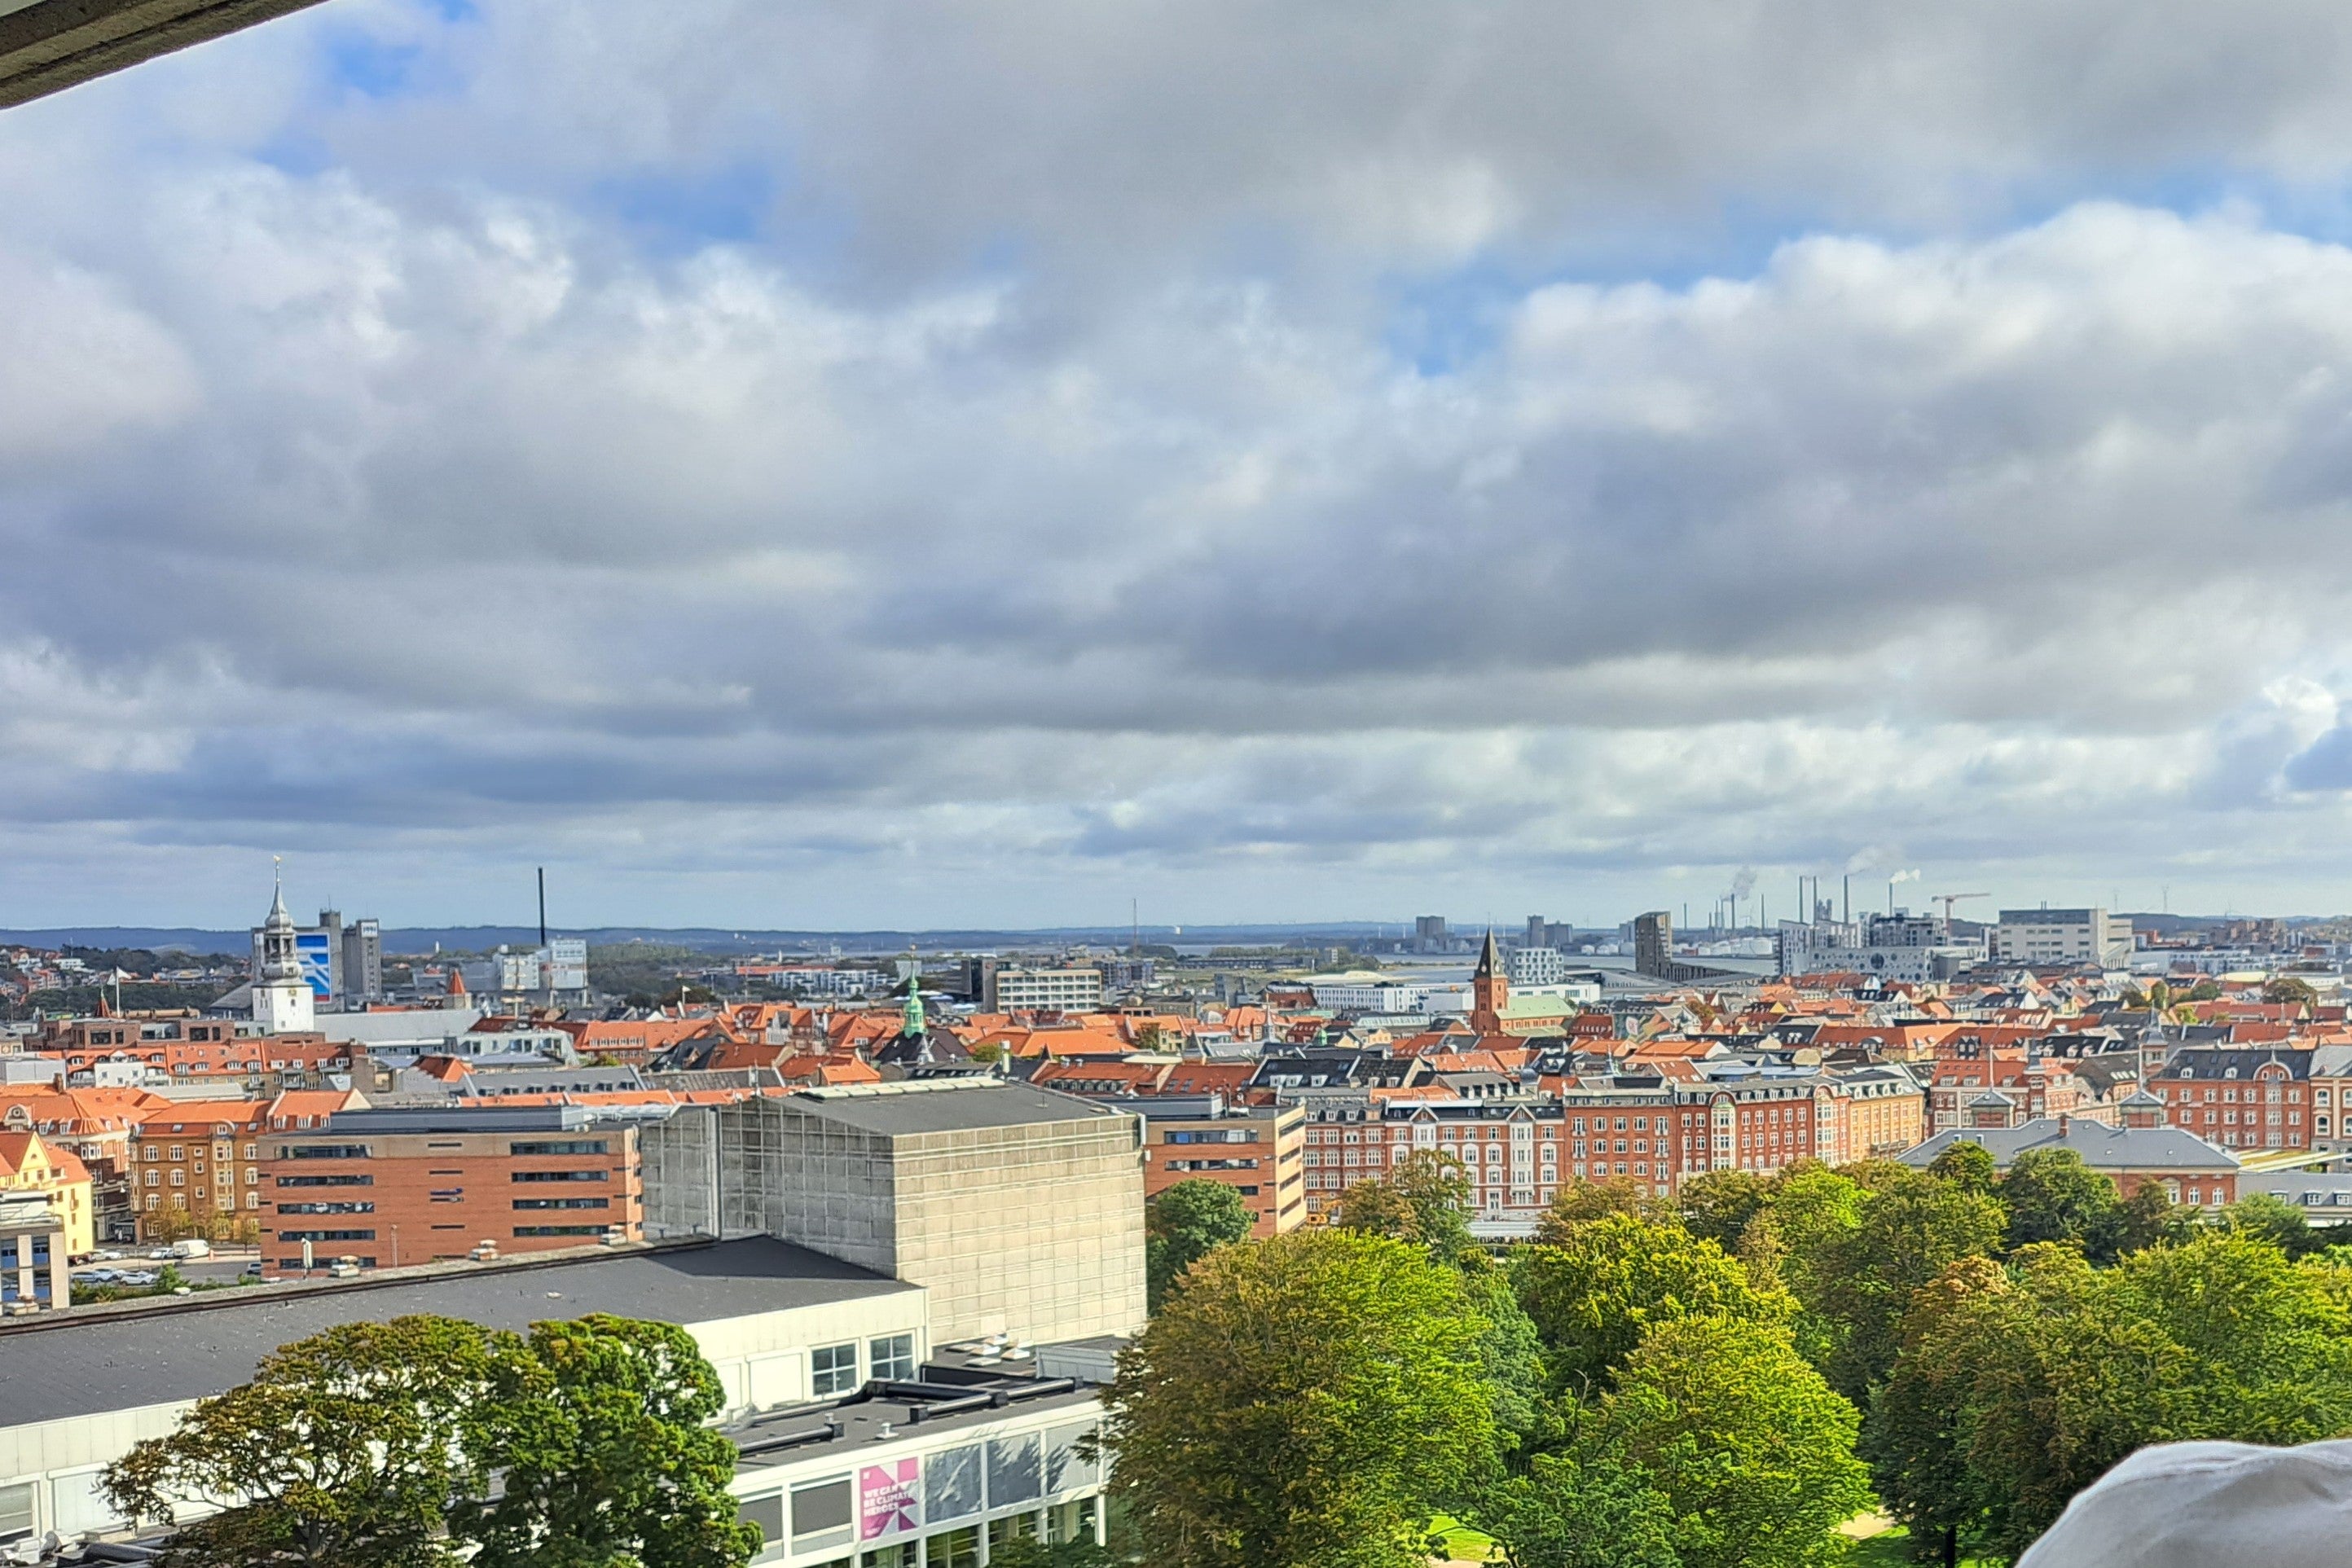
<point x="840" y="464"/>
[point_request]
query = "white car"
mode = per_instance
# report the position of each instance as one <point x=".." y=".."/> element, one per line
<point x="106" y="1255"/>
<point x="161" y="1254"/>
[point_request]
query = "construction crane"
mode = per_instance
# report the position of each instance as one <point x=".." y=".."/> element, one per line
<point x="1950" y="899"/>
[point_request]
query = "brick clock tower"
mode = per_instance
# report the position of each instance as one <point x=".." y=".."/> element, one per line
<point x="1490" y="990"/>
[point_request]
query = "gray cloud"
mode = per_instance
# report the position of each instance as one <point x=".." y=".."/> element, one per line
<point x="1043" y="494"/>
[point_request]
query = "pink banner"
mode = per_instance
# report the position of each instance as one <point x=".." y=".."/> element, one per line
<point x="889" y="1500"/>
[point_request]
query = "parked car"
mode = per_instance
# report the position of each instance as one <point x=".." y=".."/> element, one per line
<point x="100" y="1276"/>
<point x="106" y="1255"/>
<point x="161" y="1254"/>
<point x="192" y="1249"/>
<point x="253" y="1270"/>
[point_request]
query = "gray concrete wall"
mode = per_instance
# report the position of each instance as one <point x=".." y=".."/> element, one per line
<point x="1032" y="1231"/>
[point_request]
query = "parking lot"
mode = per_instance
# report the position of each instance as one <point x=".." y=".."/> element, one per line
<point x="225" y="1263"/>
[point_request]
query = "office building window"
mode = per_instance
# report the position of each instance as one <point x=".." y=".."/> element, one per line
<point x="833" y="1369"/>
<point x="892" y="1357"/>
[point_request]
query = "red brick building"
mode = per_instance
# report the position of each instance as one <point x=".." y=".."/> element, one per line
<point x="393" y="1188"/>
<point x="1256" y="1150"/>
<point x="2239" y="1097"/>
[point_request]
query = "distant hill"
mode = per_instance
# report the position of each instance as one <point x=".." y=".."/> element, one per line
<point x="705" y="938"/>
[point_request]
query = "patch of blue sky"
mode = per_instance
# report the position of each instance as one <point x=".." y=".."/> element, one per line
<point x="679" y="212"/>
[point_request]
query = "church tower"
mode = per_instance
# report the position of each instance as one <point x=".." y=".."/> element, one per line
<point x="1490" y="990"/>
<point x="281" y="996"/>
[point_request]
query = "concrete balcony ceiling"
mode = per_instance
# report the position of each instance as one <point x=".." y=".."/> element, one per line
<point x="47" y="45"/>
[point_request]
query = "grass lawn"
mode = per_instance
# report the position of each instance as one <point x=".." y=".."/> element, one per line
<point x="1463" y="1544"/>
<point x="1892" y="1549"/>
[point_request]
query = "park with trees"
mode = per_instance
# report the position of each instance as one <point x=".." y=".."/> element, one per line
<point x="1721" y="1380"/>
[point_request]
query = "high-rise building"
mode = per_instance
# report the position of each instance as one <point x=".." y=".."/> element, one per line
<point x="1429" y="934"/>
<point x="1538" y="966"/>
<point x="1654" y="943"/>
<point x="340" y="962"/>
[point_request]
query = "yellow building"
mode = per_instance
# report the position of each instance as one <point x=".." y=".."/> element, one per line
<point x="27" y="1164"/>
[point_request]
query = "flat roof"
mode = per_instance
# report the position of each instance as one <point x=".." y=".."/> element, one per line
<point x="945" y="1105"/>
<point x="865" y="1418"/>
<point x="86" y="1361"/>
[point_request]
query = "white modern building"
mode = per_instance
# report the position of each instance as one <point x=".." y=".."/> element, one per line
<point x="1895" y="947"/>
<point x="2063" y="936"/>
<point x="1072" y="988"/>
<point x="847" y="1454"/>
<point x="1538" y="966"/>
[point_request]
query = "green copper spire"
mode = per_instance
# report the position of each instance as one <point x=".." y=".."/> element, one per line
<point x="914" y="1014"/>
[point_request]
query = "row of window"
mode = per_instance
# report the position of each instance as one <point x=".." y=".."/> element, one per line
<point x="956" y="1483"/>
<point x="832" y="1368"/>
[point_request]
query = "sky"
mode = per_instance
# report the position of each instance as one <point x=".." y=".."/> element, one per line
<point x="841" y="466"/>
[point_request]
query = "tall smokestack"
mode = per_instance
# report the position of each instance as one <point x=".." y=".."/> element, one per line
<point x="1849" y="897"/>
<point x="542" y="906"/>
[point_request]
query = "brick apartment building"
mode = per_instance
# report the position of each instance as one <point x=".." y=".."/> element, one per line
<point x="2239" y="1097"/>
<point x="1257" y="1150"/>
<point x="198" y="1166"/>
<point x="394" y="1187"/>
<point x="1654" y="1132"/>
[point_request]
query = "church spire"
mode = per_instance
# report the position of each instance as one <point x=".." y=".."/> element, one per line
<point x="913" y="1026"/>
<point x="1490" y="990"/>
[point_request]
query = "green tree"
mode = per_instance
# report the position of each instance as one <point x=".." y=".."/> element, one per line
<point x="1183" y="1225"/>
<point x="1907" y="1231"/>
<point x="344" y="1451"/>
<point x="2052" y="1195"/>
<point x="596" y="1429"/>
<point x="2032" y="1383"/>
<point x="1305" y="1402"/>
<point x="1582" y="1200"/>
<point x="1511" y="1363"/>
<point x="1718" y="1205"/>
<point x="1917" y="1438"/>
<point x="1424" y="1197"/>
<point x="2152" y="1219"/>
<point x="1752" y="1449"/>
<point x="2287" y="988"/>
<point x="2204" y="991"/>
<point x="1581" y="1511"/>
<point x="1595" y="1293"/>
<point x="1028" y="1551"/>
<point x="2266" y="1216"/>
<point x="1814" y="1209"/>
<point x="1966" y="1165"/>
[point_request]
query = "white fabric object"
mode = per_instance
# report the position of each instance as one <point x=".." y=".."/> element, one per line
<point x="2209" y="1505"/>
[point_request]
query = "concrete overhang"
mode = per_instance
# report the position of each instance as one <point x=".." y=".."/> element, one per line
<point x="47" y="45"/>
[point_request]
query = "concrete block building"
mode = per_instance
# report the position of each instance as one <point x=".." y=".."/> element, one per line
<point x="1019" y="1210"/>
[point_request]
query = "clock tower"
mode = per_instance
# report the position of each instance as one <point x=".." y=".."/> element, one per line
<point x="282" y="1003"/>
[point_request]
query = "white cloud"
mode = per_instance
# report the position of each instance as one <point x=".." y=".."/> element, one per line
<point x="1046" y="496"/>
